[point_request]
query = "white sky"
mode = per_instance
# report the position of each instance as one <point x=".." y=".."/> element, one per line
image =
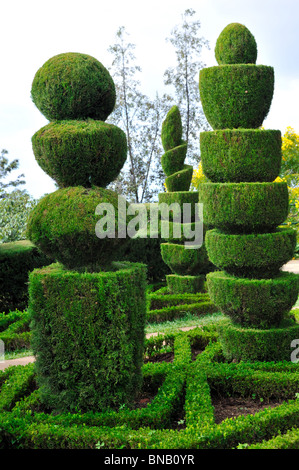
<point x="32" y="31"/>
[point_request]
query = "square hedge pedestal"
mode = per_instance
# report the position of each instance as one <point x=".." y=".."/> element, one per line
<point x="88" y="335"/>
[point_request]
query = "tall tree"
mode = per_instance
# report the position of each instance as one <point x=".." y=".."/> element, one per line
<point x="141" y="119"/>
<point x="5" y="170"/>
<point x="184" y="79"/>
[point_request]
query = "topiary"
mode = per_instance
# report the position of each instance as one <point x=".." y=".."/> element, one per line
<point x="243" y="204"/>
<point x="178" y="174"/>
<point x="236" y="45"/>
<point x="73" y="86"/>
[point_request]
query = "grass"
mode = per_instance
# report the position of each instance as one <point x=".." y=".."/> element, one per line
<point x="188" y="320"/>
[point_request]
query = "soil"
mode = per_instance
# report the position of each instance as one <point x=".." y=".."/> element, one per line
<point x="231" y="407"/>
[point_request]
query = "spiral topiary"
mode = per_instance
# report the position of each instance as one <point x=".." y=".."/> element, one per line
<point x="178" y="174"/>
<point x="89" y="306"/>
<point x="242" y="204"/>
<point x="182" y="262"/>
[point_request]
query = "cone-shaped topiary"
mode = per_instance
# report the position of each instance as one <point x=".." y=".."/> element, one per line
<point x="242" y="202"/>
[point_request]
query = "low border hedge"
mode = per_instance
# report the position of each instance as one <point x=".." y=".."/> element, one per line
<point x="26" y="427"/>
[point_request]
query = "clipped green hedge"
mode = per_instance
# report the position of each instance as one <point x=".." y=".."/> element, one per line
<point x="181" y="180"/>
<point x="185" y="284"/>
<point x="184" y="261"/>
<point x="256" y="255"/>
<point x="173" y="160"/>
<point x="251" y="344"/>
<point x="178" y="198"/>
<point x="88" y="335"/>
<point x="185" y="383"/>
<point x="241" y="155"/>
<point x="14" y="330"/>
<point x="236" y="45"/>
<point x="172" y="129"/>
<point x="73" y="86"/>
<point x="17" y="259"/>
<point x="63" y="226"/>
<point x="236" y="96"/>
<point x="244" y="207"/>
<point x="256" y="303"/>
<point x="80" y="153"/>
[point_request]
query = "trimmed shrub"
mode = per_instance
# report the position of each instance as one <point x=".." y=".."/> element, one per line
<point x="80" y="153"/>
<point x="63" y="226"/>
<point x="258" y="255"/>
<point x="236" y="45"/>
<point x="250" y="344"/>
<point x="241" y="155"/>
<point x="73" y="86"/>
<point x="17" y="259"/>
<point x="184" y="261"/>
<point x="88" y="335"/>
<point x="173" y="160"/>
<point x="15" y="331"/>
<point x="185" y="284"/>
<point x="236" y="96"/>
<point x="244" y="207"/>
<point x="181" y="180"/>
<point x="256" y="303"/>
<point x="172" y="129"/>
<point x="179" y="198"/>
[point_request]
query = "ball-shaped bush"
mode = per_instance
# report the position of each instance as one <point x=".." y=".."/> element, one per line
<point x="236" y="45"/>
<point x="80" y="153"/>
<point x="63" y="225"/>
<point x="73" y="86"/>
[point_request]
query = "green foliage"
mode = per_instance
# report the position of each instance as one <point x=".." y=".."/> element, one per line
<point x="15" y="209"/>
<point x="73" y="86"/>
<point x="63" y="227"/>
<point x="256" y="303"/>
<point x="80" y="153"/>
<point x="185" y="284"/>
<point x="180" y="198"/>
<point x="17" y="259"/>
<point x="250" y="344"/>
<point x="236" y="45"/>
<point x="236" y="96"/>
<point x="253" y="255"/>
<point x="171" y="135"/>
<point x="20" y="382"/>
<point x="29" y="425"/>
<point x="184" y="261"/>
<point x="241" y="155"/>
<point x="89" y="339"/>
<point x="181" y="180"/>
<point x="172" y="161"/>
<point x="14" y="330"/>
<point x="244" y="207"/>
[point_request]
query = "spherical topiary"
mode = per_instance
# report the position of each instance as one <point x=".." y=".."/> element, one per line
<point x="256" y="303"/>
<point x="73" y="86"/>
<point x="236" y="96"/>
<point x="254" y="255"/>
<point x="80" y="153"/>
<point x="63" y="225"/>
<point x="241" y="155"/>
<point x="244" y="207"/>
<point x="236" y="45"/>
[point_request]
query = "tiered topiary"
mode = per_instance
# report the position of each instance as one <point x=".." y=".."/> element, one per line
<point x="88" y="312"/>
<point x="244" y="206"/>
<point x="188" y="265"/>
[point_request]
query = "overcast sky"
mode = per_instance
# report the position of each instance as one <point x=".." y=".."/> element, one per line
<point x="32" y="31"/>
